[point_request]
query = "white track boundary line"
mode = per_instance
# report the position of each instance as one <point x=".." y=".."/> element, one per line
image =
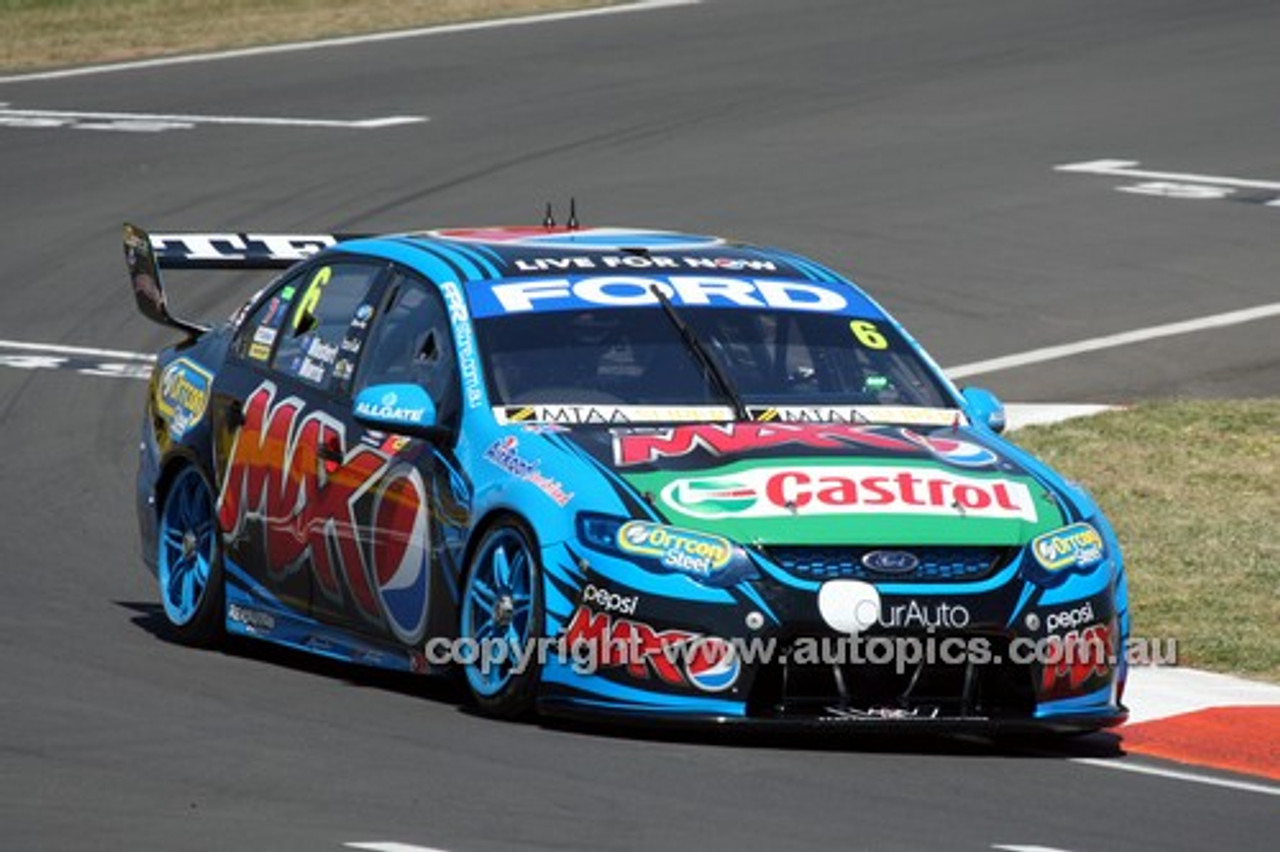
<point x="1122" y="168"/>
<point x="1052" y="353"/>
<point x="1176" y="775"/>
<point x="360" y="124"/>
<point x="54" y="349"/>
<point x="390" y="846"/>
<point x="345" y="41"/>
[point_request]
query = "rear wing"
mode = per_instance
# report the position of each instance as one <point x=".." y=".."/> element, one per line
<point x="146" y="254"/>
<point x="239" y="251"/>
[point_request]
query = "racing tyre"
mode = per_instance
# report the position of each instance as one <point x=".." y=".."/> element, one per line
<point x="189" y="563"/>
<point x="502" y="611"/>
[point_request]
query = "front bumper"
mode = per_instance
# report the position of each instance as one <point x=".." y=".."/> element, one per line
<point x="662" y="677"/>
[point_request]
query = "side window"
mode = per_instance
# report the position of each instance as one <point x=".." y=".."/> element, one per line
<point x="320" y="314"/>
<point x="412" y="344"/>
<point x="257" y="333"/>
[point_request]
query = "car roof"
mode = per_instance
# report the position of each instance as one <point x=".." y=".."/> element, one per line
<point x="505" y="252"/>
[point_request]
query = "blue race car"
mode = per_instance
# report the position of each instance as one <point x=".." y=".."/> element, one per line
<point x="614" y="473"/>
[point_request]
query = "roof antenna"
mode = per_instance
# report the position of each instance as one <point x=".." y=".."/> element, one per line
<point x="549" y="220"/>
<point x="572" y="224"/>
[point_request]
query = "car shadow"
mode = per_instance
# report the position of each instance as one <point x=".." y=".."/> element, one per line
<point x="450" y="690"/>
<point x="443" y="689"/>
<point x="881" y="740"/>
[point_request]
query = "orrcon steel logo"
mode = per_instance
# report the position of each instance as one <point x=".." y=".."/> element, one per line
<point x="812" y="490"/>
<point x="1078" y="546"/>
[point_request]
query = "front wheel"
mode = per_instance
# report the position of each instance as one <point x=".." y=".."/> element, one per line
<point x="189" y="563"/>
<point x="501" y="613"/>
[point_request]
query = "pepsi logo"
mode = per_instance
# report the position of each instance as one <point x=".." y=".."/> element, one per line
<point x="582" y="239"/>
<point x="713" y="664"/>
<point x="400" y="553"/>
<point x="953" y="451"/>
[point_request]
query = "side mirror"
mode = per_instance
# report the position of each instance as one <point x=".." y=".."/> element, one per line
<point x="984" y="407"/>
<point x="399" y="409"/>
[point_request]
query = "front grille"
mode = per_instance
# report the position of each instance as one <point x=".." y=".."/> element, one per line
<point x="935" y="564"/>
<point x="789" y="688"/>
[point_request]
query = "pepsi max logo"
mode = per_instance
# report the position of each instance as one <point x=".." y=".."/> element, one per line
<point x="713" y="664"/>
<point x="400" y="553"/>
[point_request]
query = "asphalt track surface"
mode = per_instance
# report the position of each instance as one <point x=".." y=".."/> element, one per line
<point x="911" y="144"/>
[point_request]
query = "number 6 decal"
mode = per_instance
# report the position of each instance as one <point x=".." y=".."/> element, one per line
<point x="868" y="335"/>
<point x="311" y="297"/>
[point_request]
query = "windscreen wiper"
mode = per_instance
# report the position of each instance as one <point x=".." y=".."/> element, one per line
<point x="719" y="377"/>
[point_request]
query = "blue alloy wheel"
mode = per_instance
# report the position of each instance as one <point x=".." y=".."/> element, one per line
<point x="501" y="613"/>
<point x="189" y="566"/>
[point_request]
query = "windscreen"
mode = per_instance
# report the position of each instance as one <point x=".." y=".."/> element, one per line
<point x="636" y="356"/>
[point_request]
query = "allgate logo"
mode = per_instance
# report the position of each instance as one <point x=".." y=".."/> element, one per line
<point x="766" y="492"/>
<point x="306" y="507"/>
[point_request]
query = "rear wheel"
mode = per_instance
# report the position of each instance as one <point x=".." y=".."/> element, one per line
<point x="501" y="613"/>
<point x="189" y="563"/>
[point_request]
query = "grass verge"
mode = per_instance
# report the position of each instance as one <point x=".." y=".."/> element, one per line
<point x="37" y="34"/>
<point x="1193" y="490"/>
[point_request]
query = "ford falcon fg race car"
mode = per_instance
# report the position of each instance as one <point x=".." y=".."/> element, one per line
<point x="614" y="473"/>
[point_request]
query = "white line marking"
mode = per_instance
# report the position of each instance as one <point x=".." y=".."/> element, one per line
<point x="1009" y="848"/>
<point x="1124" y="168"/>
<point x="1018" y="415"/>
<point x="391" y="846"/>
<point x="1125" y="766"/>
<point x="39" y="115"/>
<point x="114" y="354"/>
<point x="1158" y="692"/>
<point x="1182" y="191"/>
<point x="1051" y="353"/>
<point x="371" y="38"/>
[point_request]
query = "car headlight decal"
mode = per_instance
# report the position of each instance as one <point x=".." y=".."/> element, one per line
<point x="707" y="558"/>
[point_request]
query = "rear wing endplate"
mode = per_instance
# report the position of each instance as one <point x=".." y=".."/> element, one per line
<point x="148" y="290"/>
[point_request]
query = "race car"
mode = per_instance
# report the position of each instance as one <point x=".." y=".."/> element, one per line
<point x="614" y="474"/>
